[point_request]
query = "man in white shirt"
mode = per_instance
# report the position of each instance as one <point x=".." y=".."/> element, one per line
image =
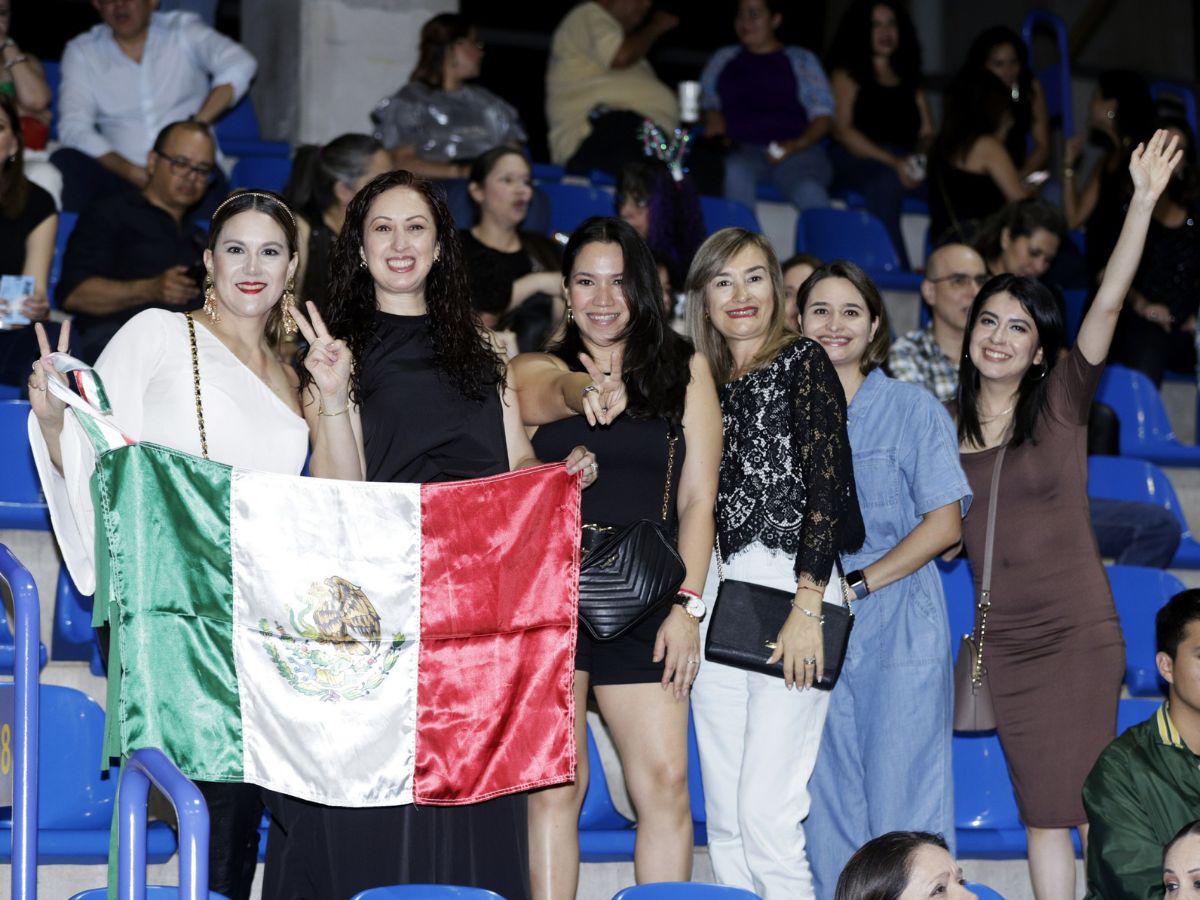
<point x="125" y="79"/>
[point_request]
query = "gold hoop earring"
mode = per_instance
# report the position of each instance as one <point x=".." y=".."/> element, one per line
<point x="210" y="300"/>
<point x="289" y="300"/>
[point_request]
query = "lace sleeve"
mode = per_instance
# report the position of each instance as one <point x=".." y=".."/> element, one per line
<point x="832" y="520"/>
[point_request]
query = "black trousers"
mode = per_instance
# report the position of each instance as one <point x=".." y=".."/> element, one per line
<point x="1141" y="344"/>
<point x="234" y="813"/>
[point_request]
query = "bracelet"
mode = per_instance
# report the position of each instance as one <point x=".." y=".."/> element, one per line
<point x="688" y="592"/>
<point x="808" y="612"/>
<point x="12" y="62"/>
<point x="331" y="415"/>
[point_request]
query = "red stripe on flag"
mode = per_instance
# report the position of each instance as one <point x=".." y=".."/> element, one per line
<point x="499" y="601"/>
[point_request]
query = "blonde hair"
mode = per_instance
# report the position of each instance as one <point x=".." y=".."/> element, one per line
<point x="710" y="259"/>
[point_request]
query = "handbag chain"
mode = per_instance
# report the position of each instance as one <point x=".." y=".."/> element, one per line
<point x="196" y="383"/>
<point x="985" y="591"/>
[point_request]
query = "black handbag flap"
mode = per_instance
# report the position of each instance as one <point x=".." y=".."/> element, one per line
<point x="626" y="574"/>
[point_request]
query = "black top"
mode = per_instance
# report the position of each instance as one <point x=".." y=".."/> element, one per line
<point x="125" y="237"/>
<point x="787" y="477"/>
<point x="1017" y="139"/>
<point x="418" y="428"/>
<point x="316" y="269"/>
<point x="975" y="196"/>
<point x="889" y="116"/>
<point x="39" y="206"/>
<point x="1169" y="272"/>
<point x="492" y="272"/>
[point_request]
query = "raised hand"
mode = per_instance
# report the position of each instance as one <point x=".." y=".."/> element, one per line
<point x="327" y="360"/>
<point x="47" y="407"/>
<point x="604" y="399"/>
<point x="1151" y="165"/>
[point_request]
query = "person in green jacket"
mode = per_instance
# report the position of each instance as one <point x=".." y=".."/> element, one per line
<point x="1146" y="784"/>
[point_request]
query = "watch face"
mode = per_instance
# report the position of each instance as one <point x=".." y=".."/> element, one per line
<point x="695" y="607"/>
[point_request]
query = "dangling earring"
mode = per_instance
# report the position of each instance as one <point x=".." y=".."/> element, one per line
<point x="570" y="314"/>
<point x="289" y="300"/>
<point x="210" y="299"/>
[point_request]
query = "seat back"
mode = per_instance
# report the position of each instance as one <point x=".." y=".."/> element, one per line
<point x="720" y="212"/>
<point x="983" y="793"/>
<point x="66" y="224"/>
<point x="426" y="892"/>
<point x="983" y="892"/>
<point x="958" y="584"/>
<point x="684" y="890"/>
<point x="570" y="204"/>
<point x="53" y="71"/>
<point x="1135" y="710"/>
<point x="239" y="123"/>
<point x="153" y="892"/>
<point x="1056" y="77"/>
<point x="269" y="172"/>
<point x="1138" y="406"/>
<point x="1139" y="593"/>
<point x="598" y="812"/>
<point x="21" y="502"/>
<point x="1123" y="478"/>
<point x="852" y="234"/>
<point x="74" y="792"/>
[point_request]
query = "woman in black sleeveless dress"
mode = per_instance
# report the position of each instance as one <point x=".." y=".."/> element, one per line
<point x="427" y="401"/>
<point x="620" y="379"/>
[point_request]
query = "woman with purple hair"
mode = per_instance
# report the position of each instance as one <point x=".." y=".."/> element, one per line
<point x="664" y="208"/>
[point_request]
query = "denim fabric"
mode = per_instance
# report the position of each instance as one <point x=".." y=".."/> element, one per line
<point x="880" y="188"/>
<point x="1135" y="534"/>
<point x="803" y="177"/>
<point x="884" y="762"/>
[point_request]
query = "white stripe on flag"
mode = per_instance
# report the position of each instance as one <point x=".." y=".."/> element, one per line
<point x="329" y="687"/>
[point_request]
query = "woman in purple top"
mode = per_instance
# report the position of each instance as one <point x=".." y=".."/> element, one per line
<point x="774" y="105"/>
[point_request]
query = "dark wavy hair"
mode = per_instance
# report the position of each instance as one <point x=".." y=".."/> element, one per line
<point x="656" y="362"/>
<point x="851" y="47"/>
<point x="316" y="170"/>
<point x="976" y="104"/>
<point x="1184" y="186"/>
<point x="14" y="186"/>
<point x="1188" y="830"/>
<point x="997" y="36"/>
<point x="880" y="869"/>
<point x="1135" y="106"/>
<point x="676" y="219"/>
<point x="462" y="353"/>
<point x="876" y="353"/>
<point x="1172" y="620"/>
<point x="438" y="35"/>
<point x="1037" y="300"/>
<point x="1021" y="218"/>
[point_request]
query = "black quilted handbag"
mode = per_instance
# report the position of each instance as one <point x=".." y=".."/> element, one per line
<point x="627" y="571"/>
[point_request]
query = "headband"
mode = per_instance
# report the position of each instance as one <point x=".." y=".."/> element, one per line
<point x="670" y="151"/>
<point x="261" y="196"/>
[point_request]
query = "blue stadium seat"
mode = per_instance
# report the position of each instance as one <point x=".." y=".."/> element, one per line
<point x="1139" y="593"/>
<point x="75" y="802"/>
<point x="73" y="635"/>
<point x="1145" y="429"/>
<point x="1074" y="302"/>
<point x="856" y="235"/>
<point x="153" y="892"/>
<point x="66" y="224"/>
<point x="53" y="70"/>
<point x="570" y="204"/>
<point x="986" y="821"/>
<point x="10" y="392"/>
<point x="269" y="172"/>
<point x="1122" y="478"/>
<point x="721" y="213"/>
<point x="684" y="890"/>
<point x="8" y="647"/>
<point x="1056" y="77"/>
<point x="21" y="502"/>
<point x="238" y="133"/>
<point x="604" y="834"/>
<point x="547" y="172"/>
<point x="958" y="584"/>
<point x="426" y="892"/>
<point x="696" y="787"/>
<point x="983" y="892"/>
<point x="1134" y="710"/>
<point x="1184" y="95"/>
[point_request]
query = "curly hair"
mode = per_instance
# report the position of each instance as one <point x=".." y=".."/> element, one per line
<point x="676" y="218"/>
<point x="462" y="352"/>
<point x="851" y="47"/>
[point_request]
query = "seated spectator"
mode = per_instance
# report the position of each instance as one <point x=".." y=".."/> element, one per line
<point x="323" y="182"/>
<point x="1001" y="51"/>
<point x="1181" y="864"/>
<point x="133" y="250"/>
<point x="437" y="124"/>
<point x="599" y="86"/>
<point x="515" y="276"/>
<point x="774" y="105"/>
<point x="28" y="224"/>
<point x="124" y="80"/>
<point x="902" y="865"/>
<point x="1132" y="533"/>
<point x="971" y="175"/>
<point x="1157" y="330"/>
<point x="1145" y="786"/>
<point x="664" y="210"/>
<point x="881" y="117"/>
<point x="796" y="270"/>
<point x="24" y="80"/>
<point x="1022" y="238"/>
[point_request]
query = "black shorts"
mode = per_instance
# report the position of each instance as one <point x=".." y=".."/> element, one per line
<point x="625" y="660"/>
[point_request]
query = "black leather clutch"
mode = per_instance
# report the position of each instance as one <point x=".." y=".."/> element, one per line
<point x="746" y="620"/>
<point x="627" y="572"/>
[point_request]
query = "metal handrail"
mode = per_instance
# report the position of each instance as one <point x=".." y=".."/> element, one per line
<point x="1059" y="27"/>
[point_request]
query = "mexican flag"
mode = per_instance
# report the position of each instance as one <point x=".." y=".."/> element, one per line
<point x="349" y="643"/>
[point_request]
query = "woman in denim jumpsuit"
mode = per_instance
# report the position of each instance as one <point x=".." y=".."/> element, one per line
<point x="884" y="763"/>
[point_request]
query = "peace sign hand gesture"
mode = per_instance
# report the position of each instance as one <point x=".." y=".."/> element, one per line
<point x="327" y="360"/>
<point x="48" y="408"/>
<point x="1151" y="165"/>
<point x="604" y="399"/>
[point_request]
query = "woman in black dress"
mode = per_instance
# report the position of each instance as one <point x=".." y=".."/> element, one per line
<point x="620" y="379"/>
<point x="411" y="390"/>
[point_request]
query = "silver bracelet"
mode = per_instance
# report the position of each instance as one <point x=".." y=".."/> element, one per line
<point x="808" y="612"/>
<point x="12" y="62"/>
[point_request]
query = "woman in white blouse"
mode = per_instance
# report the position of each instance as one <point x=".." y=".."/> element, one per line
<point x="251" y="418"/>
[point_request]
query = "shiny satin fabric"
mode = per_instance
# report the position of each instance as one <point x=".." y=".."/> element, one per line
<point x="495" y="699"/>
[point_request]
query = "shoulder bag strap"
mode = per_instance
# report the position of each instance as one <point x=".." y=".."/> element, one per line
<point x="191" y="324"/>
<point x="672" y="438"/>
<point x="985" y="594"/>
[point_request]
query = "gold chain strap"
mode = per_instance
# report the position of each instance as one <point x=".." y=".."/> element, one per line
<point x="196" y="382"/>
<point x="985" y="603"/>
<point x="670" y="468"/>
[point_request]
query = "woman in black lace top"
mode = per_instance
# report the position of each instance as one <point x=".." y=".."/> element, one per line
<point x="786" y="507"/>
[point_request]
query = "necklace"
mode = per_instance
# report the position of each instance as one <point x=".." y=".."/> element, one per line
<point x="999" y="415"/>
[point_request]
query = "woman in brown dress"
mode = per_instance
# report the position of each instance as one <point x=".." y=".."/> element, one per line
<point x="1053" y="646"/>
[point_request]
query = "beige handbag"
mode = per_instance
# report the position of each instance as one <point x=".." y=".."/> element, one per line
<point x="972" y="695"/>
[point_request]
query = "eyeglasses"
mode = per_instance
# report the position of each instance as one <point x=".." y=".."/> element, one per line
<point x="961" y="280"/>
<point x="181" y="166"/>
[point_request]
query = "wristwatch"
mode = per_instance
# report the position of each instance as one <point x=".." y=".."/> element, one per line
<point x="692" y="605"/>
<point x="857" y="582"/>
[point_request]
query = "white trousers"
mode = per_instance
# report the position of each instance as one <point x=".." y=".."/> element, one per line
<point x="758" y="745"/>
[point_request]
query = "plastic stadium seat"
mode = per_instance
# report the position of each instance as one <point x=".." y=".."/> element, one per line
<point x="696" y="787"/>
<point x="10" y="392"/>
<point x="1145" y="429"/>
<point x="1139" y="593"/>
<point x="1134" y="710"/>
<point x="21" y="502"/>
<point x="73" y="635"/>
<point x="53" y="70"/>
<point x="1056" y="77"/>
<point x="8" y="647"/>
<point x="153" y="892"/>
<point x="426" y="892"/>
<point x="983" y="892"/>
<point x="856" y="235"/>
<point x="1121" y="478"/>
<point x="958" y="584"/>
<point x="270" y="172"/>
<point x="1075" y="302"/>
<point x="547" y="172"/>
<point x="66" y="224"/>
<point x="721" y="213"/>
<point x="909" y="203"/>
<point x="75" y="802"/>
<point x="238" y="133"/>
<point x="604" y="834"/>
<point x="684" y="890"/>
<point x="570" y="204"/>
<point x="986" y="822"/>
